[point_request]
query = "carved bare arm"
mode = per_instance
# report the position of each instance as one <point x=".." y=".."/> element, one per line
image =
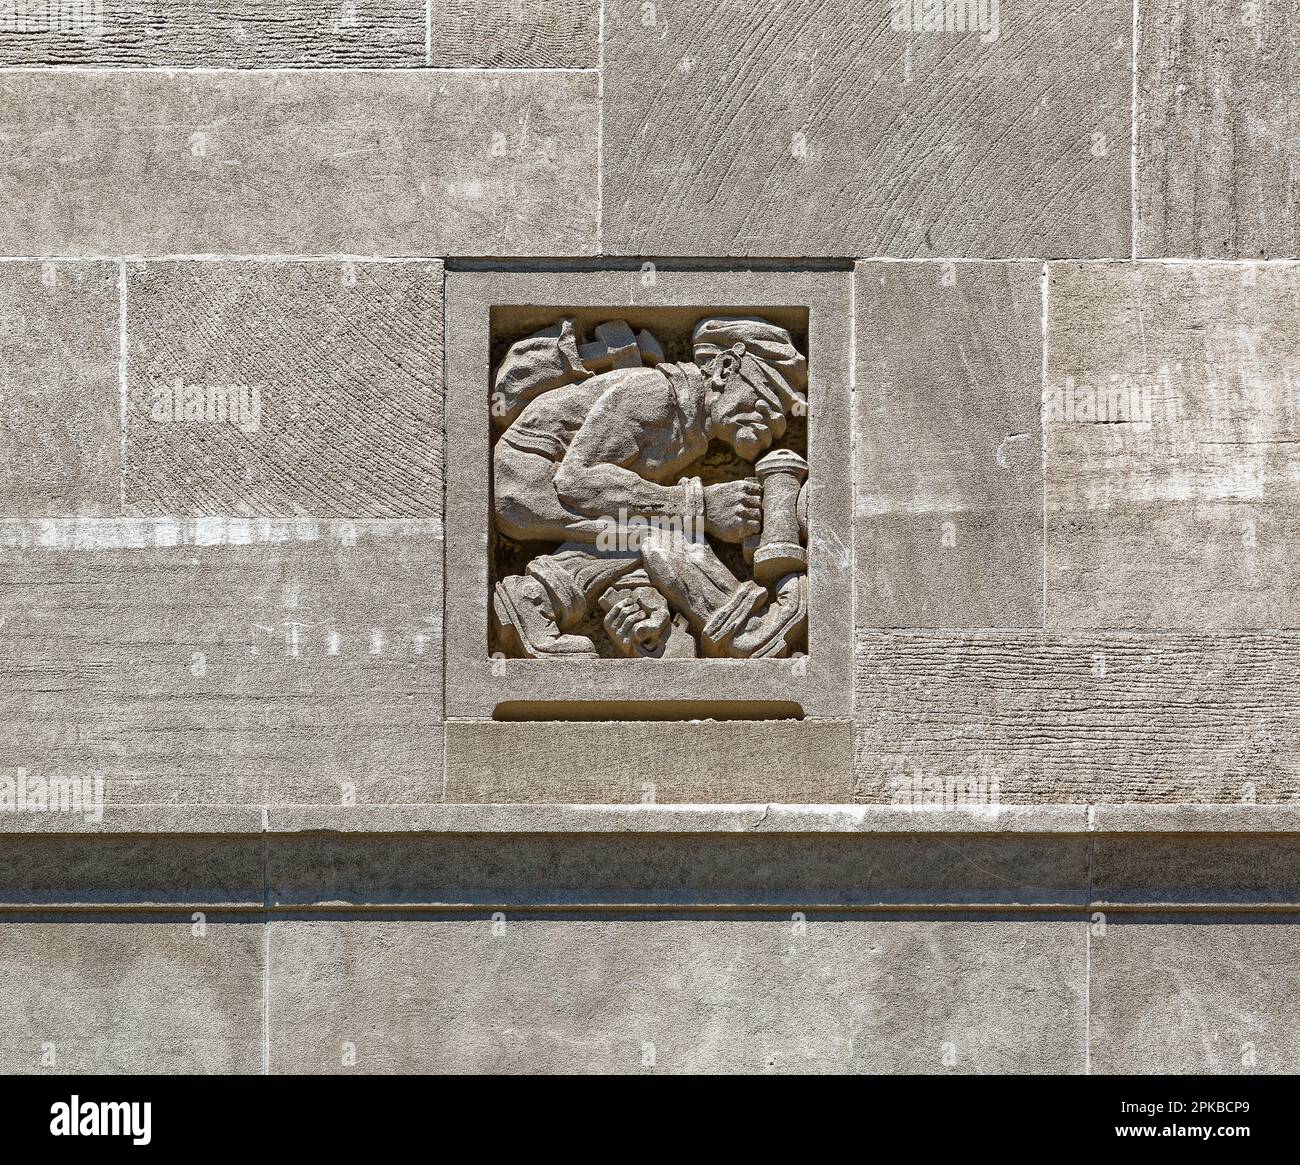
<point x="593" y="478"/>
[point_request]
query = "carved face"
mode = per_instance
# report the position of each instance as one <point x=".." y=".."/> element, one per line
<point x="746" y="411"/>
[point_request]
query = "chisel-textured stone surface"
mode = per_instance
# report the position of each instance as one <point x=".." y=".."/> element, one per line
<point x="816" y="128"/>
<point x="122" y="993"/>
<point x="949" y="445"/>
<point x="1172" y="423"/>
<point x="1218" y="130"/>
<point x="1190" y="995"/>
<point x="284" y="389"/>
<point x="511" y="34"/>
<point x="666" y="994"/>
<point x="225" y="661"/>
<point x="59" y="397"/>
<point x="303" y="33"/>
<point x="225" y="33"/>
<point x="1078" y="717"/>
<point x="386" y="162"/>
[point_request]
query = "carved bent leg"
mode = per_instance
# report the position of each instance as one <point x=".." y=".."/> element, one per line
<point x="735" y="619"/>
<point x="533" y="611"/>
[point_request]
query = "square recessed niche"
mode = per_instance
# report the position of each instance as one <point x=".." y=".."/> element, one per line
<point x="604" y="556"/>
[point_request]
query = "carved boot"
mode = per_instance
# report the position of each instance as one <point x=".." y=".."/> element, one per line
<point x="524" y="616"/>
<point x="774" y="631"/>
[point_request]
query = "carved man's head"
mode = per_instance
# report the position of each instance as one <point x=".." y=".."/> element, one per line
<point x="757" y="377"/>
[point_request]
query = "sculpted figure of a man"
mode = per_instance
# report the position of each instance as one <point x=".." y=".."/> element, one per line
<point x="598" y="436"/>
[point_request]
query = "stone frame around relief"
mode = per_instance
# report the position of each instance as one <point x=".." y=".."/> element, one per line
<point x="481" y="687"/>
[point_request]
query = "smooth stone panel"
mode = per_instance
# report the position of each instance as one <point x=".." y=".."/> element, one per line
<point x="335" y="370"/>
<point x="666" y="994"/>
<point x="60" y="435"/>
<point x="949" y="444"/>
<point x="220" y="33"/>
<point x="1081" y="717"/>
<point x="617" y="762"/>
<point x="1218" y="130"/>
<point x="316" y="162"/>
<point x="1199" y="994"/>
<point x="112" y="994"/>
<point x="227" y="661"/>
<point x="1171" y="422"/>
<point x="818" y="129"/>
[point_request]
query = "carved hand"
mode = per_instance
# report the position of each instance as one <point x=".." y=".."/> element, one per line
<point x="733" y="510"/>
<point x="638" y="621"/>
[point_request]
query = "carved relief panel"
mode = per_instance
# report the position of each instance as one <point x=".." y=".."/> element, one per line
<point x="648" y="507"/>
<point x="650" y="489"/>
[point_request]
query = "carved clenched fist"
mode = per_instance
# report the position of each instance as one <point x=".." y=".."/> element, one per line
<point x="638" y="621"/>
<point x="733" y="510"/>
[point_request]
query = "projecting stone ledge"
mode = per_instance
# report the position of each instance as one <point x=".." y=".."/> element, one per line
<point x="361" y="820"/>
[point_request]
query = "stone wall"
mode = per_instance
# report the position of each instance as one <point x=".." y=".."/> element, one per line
<point x="1021" y="798"/>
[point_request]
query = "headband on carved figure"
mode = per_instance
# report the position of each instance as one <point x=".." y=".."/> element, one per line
<point x="736" y="337"/>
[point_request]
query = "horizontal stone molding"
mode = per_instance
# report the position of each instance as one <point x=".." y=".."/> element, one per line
<point x="656" y="858"/>
<point x="665" y="819"/>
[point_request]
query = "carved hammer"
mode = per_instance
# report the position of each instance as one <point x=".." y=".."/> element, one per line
<point x="615" y="346"/>
<point x="779" y="551"/>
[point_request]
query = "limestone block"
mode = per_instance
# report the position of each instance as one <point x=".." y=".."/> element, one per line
<point x="72" y="871"/>
<point x="500" y="34"/>
<point x="225" y="661"/>
<point x="949" y="446"/>
<point x="1077" y="717"/>
<point x="488" y="311"/>
<point x="1171" y="423"/>
<point x="1199" y="994"/>
<point x="851" y="129"/>
<point x="736" y="761"/>
<point x="317" y="162"/>
<point x="60" y="436"/>
<point x="1218" y="129"/>
<point x="284" y="389"/>
<point x="126" y="994"/>
<point x="662" y="994"/>
<point x="305" y="33"/>
<point x="1237" y="870"/>
<point x="221" y="33"/>
<point x="654" y="869"/>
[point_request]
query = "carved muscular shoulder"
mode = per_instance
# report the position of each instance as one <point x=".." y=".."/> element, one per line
<point x="631" y="441"/>
<point x="632" y="424"/>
